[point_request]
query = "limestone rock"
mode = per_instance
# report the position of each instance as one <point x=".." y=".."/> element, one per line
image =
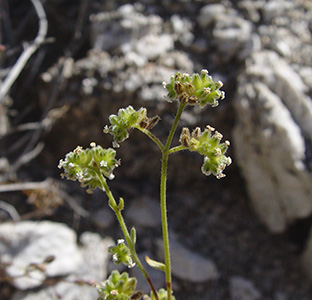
<point x="286" y="29"/>
<point x="274" y="121"/>
<point x="231" y="34"/>
<point x="25" y="243"/>
<point x="91" y="269"/>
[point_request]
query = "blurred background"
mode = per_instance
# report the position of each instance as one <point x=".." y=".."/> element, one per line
<point x="66" y="65"/>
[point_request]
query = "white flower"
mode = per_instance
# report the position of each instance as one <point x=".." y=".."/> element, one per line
<point x="103" y="163"/>
<point x="79" y="175"/>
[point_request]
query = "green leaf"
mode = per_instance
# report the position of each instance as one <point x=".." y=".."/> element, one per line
<point x="155" y="264"/>
<point x="133" y="235"/>
<point x="121" y="204"/>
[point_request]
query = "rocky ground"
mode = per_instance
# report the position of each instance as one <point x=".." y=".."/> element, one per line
<point x="244" y="237"/>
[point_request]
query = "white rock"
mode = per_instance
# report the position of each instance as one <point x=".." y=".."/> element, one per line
<point x="133" y="58"/>
<point x="273" y="121"/>
<point x="209" y="13"/>
<point x="24" y="243"/>
<point x="110" y="30"/>
<point x="243" y="289"/>
<point x="231" y="33"/>
<point x="306" y="75"/>
<point x="154" y="92"/>
<point x="95" y="254"/>
<point x="277" y="74"/>
<point x="188" y="265"/>
<point x="152" y="46"/>
<point x="92" y="269"/>
<point x="182" y="28"/>
<point x="273" y="9"/>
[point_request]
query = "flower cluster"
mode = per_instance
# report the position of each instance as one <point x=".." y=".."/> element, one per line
<point x="207" y="143"/>
<point x="126" y="119"/>
<point x="117" y="287"/>
<point x="198" y="89"/>
<point x="162" y="295"/>
<point x="91" y="167"/>
<point x="84" y="165"/>
<point x="121" y="254"/>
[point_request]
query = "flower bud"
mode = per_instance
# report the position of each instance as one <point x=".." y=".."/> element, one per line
<point x="183" y="98"/>
<point x="162" y="295"/>
<point x="121" y="254"/>
<point x="193" y="100"/>
<point x="185" y="137"/>
<point x="196" y="133"/>
<point x="84" y="165"/>
<point x="126" y="119"/>
<point x="117" y="287"/>
<point x="143" y="123"/>
<point x="196" y="89"/>
<point x="178" y="87"/>
<point x="152" y="122"/>
<point x="208" y="143"/>
<point x="189" y="88"/>
<point x="196" y="81"/>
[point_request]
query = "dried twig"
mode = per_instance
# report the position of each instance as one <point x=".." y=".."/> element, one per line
<point x="60" y="82"/>
<point x="27" y="157"/>
<point x="28" y="52"/>
<point x="10" y="209"/>
<point x="49" y="185"/>
<point x="23" y="186"/>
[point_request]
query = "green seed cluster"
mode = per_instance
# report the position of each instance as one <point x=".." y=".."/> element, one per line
<point x="162" y="295"/>
<point x="85" y="165"/>
<point x="198" y="89"/>
<point x="207" y="143"/>
<point x="117" y="287"/>
<point x="126" y="119"/>
<point x="121" y="254"/>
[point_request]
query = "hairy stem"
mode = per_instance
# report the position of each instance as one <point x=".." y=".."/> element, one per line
<point x="163" y="201"/>
<point x="177" y="148"/>
<point x="153" y="138"/>
<point x="113" y="204"/>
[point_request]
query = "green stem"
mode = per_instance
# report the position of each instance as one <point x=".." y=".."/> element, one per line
<point x="174" y="125"/>
<point x="117" y="211"/>
<point x="153" y="138"/>
<point x="177" y="148"/>
<point x="163" y="204"/>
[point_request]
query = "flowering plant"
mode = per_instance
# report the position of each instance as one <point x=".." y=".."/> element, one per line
<point x="93" y="166"/>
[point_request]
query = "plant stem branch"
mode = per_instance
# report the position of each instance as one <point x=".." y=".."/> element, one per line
<point x="153" y="138"/>
<point x="177" y="149"/>
<point x="163" y="202"/>
<point x="174" y="125"/>
<point x="117" y="211"/>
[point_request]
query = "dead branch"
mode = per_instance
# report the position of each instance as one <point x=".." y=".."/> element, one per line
<point x="27" y="157"/>
<point x="49" y="185"/>
<point x="10" y="210"/>
<point x="28" y="52"/>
